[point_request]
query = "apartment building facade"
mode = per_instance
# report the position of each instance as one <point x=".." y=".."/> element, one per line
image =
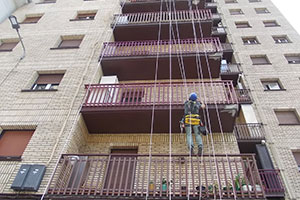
<point x="93" y="109"/>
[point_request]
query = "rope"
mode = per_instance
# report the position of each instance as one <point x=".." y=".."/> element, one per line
<point x="218" y="114"/>
<point x="78" y="112"/>
<point x="200" y="76"/>
<point x="153" y="107"/>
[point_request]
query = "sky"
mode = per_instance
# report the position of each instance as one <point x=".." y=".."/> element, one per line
<point x="290" y="9"/>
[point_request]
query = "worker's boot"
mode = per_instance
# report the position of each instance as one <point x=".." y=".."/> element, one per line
<point x="199" y="151"/>
<point x="192" y="151"/>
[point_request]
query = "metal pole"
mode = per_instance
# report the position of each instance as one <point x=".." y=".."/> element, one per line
<point x="24" y="52"/>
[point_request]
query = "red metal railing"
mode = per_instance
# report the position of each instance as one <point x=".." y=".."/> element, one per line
<point x="165" y="16"/>
<point x="250" y="131"/>
<point x="131" y="176"/>
<point x="243" y="96"/>
<point x="272" y="182"/>
<point x="163" y="47"/>
<point x="146" y="94"/>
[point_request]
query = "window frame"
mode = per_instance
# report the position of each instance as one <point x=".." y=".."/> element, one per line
<point x="281" y="36"/>
<point x="244" y="39"/>
<point x="236" y="11"/>
<point x="296" y="159"/>
<point x="68" y="38"/>
<point x="294" y="61"/>
<point x="294" y="111"/>
<point x="242" y="23"/>
<point x="260" y="56"/>
<point x="91" y="13"/>
<point x="258" y="11"/>
<point x="267" y="82"/>
<point x="13" y="157"/>
<point x="38" y="17"/>
<point x="270" y="21"/>
<point x="230" y="1"/>
<point x="6" y="49"/>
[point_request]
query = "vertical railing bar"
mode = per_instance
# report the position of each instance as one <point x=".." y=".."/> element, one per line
<point x="76" y="174"/>
<point x="58" y="178"/>
<point x="127" y="174"/>
<point x="110" y="175"/>
<point x="116" y="177"/>
<point x="87" y="175"/>
<point x="132" y="178"/>
<point x="122" y="175"/>
<point x="143" y="179"/>
<point x="102" y="163"/>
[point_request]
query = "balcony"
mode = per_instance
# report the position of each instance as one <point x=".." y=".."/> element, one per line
<point x="227" y="51"/>
<point x="131" y="106"/>
<point x="127" y="59"/>
<point x="272" y="183"/>
<point x="136" y="6"/>
<point x="145" y="26"/>
<point x="230" y="72"/>
<point x="212" y="6"/>
<point x="219" y="32"/>
<point x="243" y="96"/>
<point x="130" y="176"/>
<point x="249" y="132"/>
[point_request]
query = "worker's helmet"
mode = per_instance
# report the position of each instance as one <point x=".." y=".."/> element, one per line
<point x="193" y="96"/>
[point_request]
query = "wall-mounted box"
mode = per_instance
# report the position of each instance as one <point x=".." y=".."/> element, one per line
<point x="29" y="178"/>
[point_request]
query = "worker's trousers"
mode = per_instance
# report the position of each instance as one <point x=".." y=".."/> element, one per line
<point x="189" y="137"/>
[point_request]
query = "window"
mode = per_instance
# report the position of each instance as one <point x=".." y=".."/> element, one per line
<point x="270" y="23"/>
<point x="69" y="42"/>
<point x="250" y="40"/>
<point x="236" y="11"/>
<point x="13" y="143"/>
<point x="297" y="158"/>
<point x="32" y="19"/>
<point x="271" y="85"/>
<point x="252" y="1"/>
<point x="287" y="117"/>
<point x="134" y="95"/>
<point x="261" y="10"/>
<point x="242" y="25"/>
<point x="47" y="82"/>
<point x="281" y="39"/>
<point x="260" y="60"/>
<point x="88" y="15"/>
<point x="293" y="59"/>
<point x="230" y="1"/>
<point x="49" y="1"/>
<point x="7" y="46"/>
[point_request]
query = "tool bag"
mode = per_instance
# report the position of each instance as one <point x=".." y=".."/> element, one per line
<point x="192" y="119"/>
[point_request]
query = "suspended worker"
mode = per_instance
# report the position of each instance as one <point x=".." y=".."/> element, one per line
<point x="191" y="120"/>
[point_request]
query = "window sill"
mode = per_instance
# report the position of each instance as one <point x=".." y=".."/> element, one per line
<point x="10" y="158"/>
<point x="263" y="64"/>
<point x="289" y="124"/>
<point x="46" y="2"/>
<point x="244" y="27"/>
<point x="5" y="50"/>
<point x="28" y="22"/>
<point x="252" y="44"/>
<point x="273" y="26"/>
<point x="275" y="90"/>
<point x="74" y="20"/>
<point x="28" y="90"/>
<point x="57" y="48"/>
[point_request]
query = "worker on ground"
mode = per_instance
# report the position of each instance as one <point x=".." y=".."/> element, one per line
<point x="191" y="120"/>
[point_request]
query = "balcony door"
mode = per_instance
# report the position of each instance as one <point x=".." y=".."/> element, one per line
<point x="121" y="171"/>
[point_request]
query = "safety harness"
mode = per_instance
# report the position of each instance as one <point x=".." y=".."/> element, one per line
<point x="192" y="119"/>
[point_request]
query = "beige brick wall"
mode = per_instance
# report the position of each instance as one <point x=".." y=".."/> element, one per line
<point x="280" y="139"/>
<point x="53" y="113"/>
